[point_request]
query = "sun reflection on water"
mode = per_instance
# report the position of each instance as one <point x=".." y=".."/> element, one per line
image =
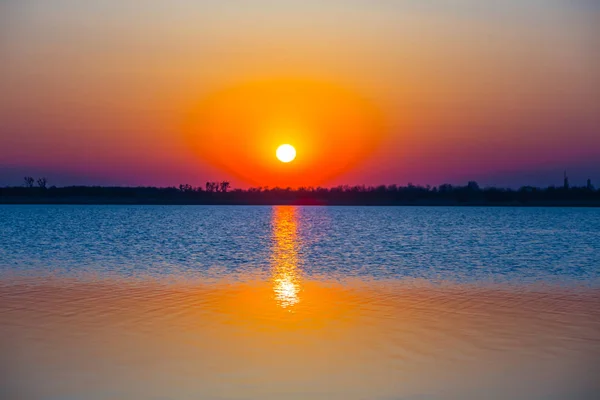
<point x="285" y="278"/>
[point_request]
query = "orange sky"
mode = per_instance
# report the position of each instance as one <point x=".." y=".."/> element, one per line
<point x="239" y="129"/>
<point x="107" y="92"/>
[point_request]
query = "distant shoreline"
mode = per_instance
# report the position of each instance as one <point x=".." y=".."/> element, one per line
<point x="180" y="202"/>
<point x="219" y="193"/>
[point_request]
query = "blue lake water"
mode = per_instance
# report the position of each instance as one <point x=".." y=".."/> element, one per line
<point x="193" y="302"/>
<point x="515" y="245"/>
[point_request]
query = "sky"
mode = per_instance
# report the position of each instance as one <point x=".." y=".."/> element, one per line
<point x="504" y="92"/>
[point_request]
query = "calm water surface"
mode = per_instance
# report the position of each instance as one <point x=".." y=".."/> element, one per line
<point x="126" y="302"/>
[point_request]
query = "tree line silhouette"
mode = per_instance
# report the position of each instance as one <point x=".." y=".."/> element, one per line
<point x="221" y="193"/>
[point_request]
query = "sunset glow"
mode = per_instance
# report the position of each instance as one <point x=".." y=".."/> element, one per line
<point x="285" y="277"/>
<point x="124" y="93"/>
<point x="256" y="117"/>
<point x="299" y="199"/>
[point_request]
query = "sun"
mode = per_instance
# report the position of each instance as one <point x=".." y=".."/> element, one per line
<point x="286" y="153"/>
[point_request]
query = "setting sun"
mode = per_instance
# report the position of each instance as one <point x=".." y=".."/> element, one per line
<point x="286" y="153"/>
<point x="257" y="118"/>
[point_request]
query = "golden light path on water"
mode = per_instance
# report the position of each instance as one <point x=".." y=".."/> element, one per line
<point x="286" y="279"/>
<point x="294" y="335"/>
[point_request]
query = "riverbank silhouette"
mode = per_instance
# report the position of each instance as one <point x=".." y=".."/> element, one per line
<point x="219" y="193"/>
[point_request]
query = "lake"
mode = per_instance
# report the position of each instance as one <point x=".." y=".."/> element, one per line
<point x="386" y="303"/>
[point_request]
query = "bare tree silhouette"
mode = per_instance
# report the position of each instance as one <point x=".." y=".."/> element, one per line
<point x="224" y="186"/>
<point x="29" y="181"/>
<point x="42" y="182"/>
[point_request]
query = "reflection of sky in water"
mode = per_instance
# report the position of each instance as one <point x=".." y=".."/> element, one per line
<point x="281" y="323"/>
<point x="285" y="257"/>
<point x="463" y="244"/>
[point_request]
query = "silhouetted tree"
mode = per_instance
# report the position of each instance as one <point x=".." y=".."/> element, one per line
<point x="186" y="188"/>
<point x="445" y="188"/>
<point x="473" y="186"/>
<point x="211" y="187"/>
<point x="224" y="186"/>
<point x="42" y="182"/>
<point x="29" y="181"/>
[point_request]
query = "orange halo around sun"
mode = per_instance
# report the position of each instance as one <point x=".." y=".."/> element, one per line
<point x="238" y="128"/>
